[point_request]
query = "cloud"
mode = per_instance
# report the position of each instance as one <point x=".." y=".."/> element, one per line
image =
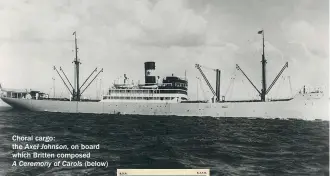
<point x="120" y="35"/>
<point x="128" y="32"/>
<point x="313" y="39"/>
<point x="165" y="23"/>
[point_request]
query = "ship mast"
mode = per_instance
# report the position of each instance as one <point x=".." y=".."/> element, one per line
<point x="76" y="90"/>
<point x="263" y="64"/>
<point x="264" y="91"/>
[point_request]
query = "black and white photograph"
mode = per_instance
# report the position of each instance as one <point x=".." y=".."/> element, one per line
<point x="164" y="87"/>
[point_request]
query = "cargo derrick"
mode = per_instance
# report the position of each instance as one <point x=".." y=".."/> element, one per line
<point x="264" y="91"/>
<point x="76" y="89"/>
<point x="215" y="93"/>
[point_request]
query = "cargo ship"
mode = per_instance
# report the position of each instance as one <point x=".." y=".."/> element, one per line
<point x="168" y="96"/>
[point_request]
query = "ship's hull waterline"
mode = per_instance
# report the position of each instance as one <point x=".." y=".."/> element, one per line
<point x="295" y="109"/>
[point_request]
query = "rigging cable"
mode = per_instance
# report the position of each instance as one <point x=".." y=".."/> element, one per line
<point x="279" y="85"/>
<point x="232" y="88"/>
<point x="230" y="83"/>
<point x="201" y="86"/>
<point x="289" y="78"/>
<point x="103" y="83"/>
<point x="197" y="88"/>
<point x="100" y="87"/>
<point x="53" y="88"/>
<point x="96" y="86"/>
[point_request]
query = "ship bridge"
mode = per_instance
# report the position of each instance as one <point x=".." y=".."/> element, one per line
<point x="170" y="89"/>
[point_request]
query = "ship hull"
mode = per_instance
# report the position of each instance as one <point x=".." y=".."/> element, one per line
<point x="4" y="106"/>
<point x="295" y="109"/>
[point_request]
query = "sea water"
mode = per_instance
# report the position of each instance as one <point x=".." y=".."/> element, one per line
<point x="228" y="146"/>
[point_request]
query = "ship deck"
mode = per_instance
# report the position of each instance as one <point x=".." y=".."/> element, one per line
<point x="237" y="101"/>
<point x="66" y="99"/>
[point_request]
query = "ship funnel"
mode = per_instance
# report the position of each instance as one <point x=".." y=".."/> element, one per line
<point x="149" y="68"/>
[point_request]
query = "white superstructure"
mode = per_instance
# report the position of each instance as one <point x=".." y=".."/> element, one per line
<point x="146" y="95"/>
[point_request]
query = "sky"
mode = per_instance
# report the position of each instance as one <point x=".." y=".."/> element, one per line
<point x="120" y="35"/>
